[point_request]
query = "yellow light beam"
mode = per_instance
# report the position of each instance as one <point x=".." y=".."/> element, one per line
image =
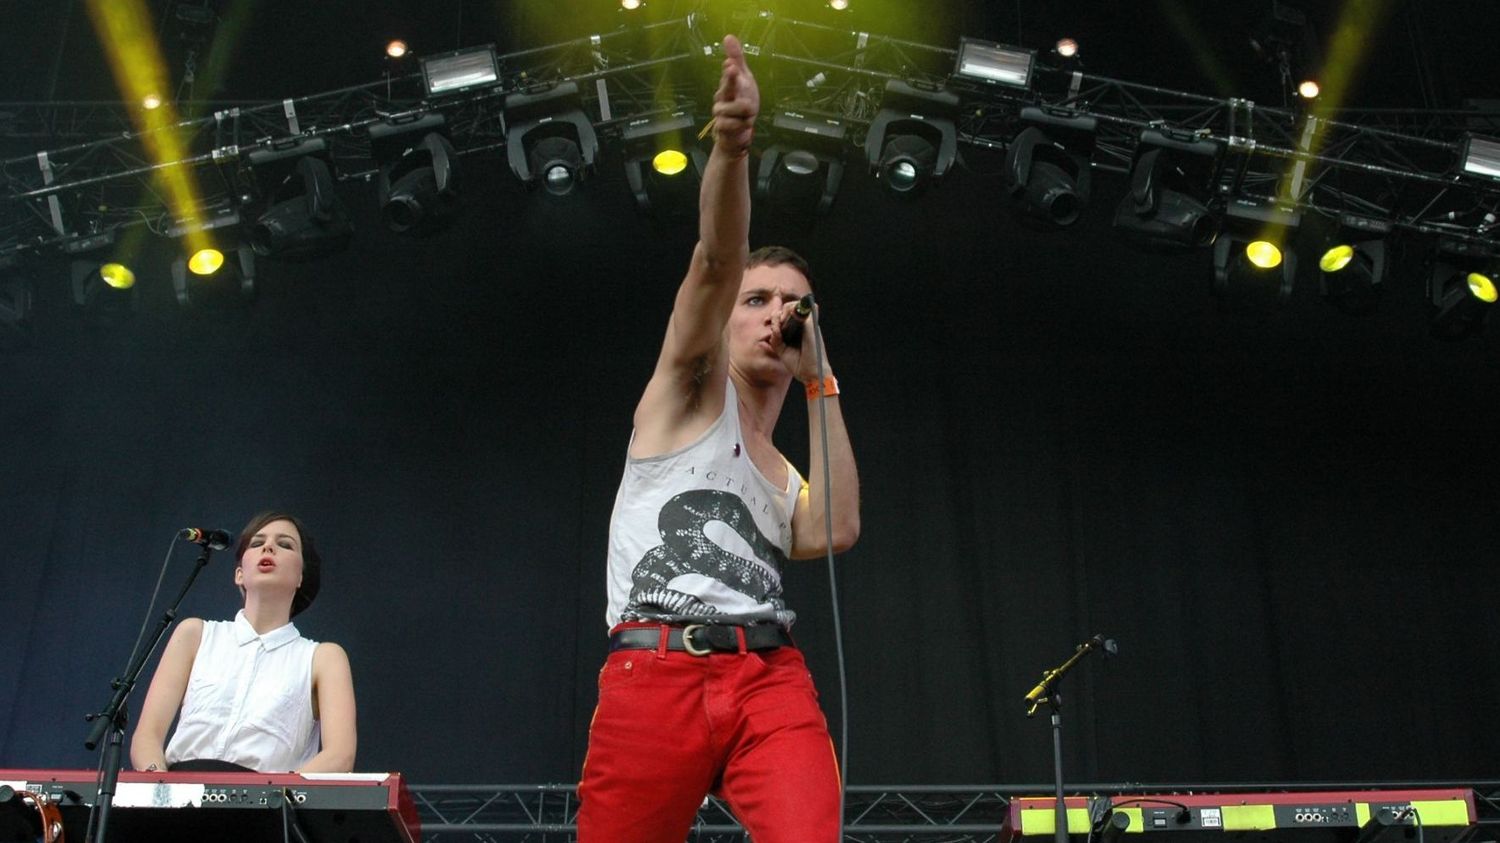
<point x="129" y="42"/>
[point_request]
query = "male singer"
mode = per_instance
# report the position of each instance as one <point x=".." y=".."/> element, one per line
<point x="703" y="690"/>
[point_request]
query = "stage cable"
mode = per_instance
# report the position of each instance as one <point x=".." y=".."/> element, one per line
<point x="833" y="584"/>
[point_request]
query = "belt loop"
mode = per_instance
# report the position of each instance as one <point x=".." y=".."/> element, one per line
<point x="663" y="636"/>
<point x="739" y="634"/>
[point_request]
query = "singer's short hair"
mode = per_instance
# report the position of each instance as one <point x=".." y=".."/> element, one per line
<point x="779" y="256"/>
<point x="312" y="563"/>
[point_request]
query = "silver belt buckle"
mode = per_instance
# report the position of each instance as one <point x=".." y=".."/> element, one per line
<point x="687" y="640"/>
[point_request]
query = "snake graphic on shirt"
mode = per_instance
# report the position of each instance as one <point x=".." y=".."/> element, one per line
<point x="687" y="549"/>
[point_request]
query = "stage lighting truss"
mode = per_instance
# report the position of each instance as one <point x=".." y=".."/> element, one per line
<point x="1172" y="179"/>
<point x="1254" y="251"/>
<point x="1352" y="263"/>
<point x="1429" y="174"/>
<point x="298" y="214"/>
<point x="418" y="183"/>
<point x="1047" y="165"/>
<point x="1461" y="284"/>
<point x="913" y="141"/>
<point x="801" y="170"/>
<point x="549" y="140"/>
<point x="663" y="163"/>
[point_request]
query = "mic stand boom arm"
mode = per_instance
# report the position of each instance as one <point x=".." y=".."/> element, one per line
<point x="1045" y="693"/>
<point x="113" y="716"/>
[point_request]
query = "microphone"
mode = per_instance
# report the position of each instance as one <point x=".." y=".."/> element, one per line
<point x="1099" y="642"/>
<point x="212" y="539"/>
<point x="791" y="329"/>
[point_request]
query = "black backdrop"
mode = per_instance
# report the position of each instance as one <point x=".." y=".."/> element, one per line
<point x="1286" y="517"/>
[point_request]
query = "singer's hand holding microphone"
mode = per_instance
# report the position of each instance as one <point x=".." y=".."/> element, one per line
<point x="795" y="321"/>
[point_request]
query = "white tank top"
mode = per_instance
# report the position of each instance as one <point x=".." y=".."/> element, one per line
<point x="699" y="534"/>
<point x="249" y="699"/>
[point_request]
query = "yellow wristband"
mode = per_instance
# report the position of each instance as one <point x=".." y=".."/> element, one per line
<point x="820" y="389"/>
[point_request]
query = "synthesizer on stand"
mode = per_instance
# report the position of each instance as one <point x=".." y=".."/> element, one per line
<point x="1356" y="816"/>
<point x="326" y="808"/>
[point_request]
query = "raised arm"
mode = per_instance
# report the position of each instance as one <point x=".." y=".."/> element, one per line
<point x="164" y="696"/>
<point x="333" y="700"/>
<point x="688" y="384"/>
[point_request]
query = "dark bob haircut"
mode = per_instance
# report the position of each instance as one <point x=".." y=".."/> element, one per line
<point x="312" y="563"/>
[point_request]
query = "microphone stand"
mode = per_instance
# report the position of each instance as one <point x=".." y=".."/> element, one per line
<point x="114" y="716"/>
<point x="1045" y="693"/>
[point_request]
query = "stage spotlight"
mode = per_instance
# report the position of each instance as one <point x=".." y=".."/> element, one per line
<point x="1309" y="89"/>
<point x="151" y="102"/>
<point x="1171" y="178"/>
<point x="1067" y="48"/>
<point x="417" y="186"/>
<point x="215" y="284"/>
<point x="1254" y="250"/>
<point x="1047" y="165"/>
<point x="630" y="5"/>
<point x="662" y="163"/>
<point x="1351" y="265"/>
<point x="15" y="311"/>
<point x="994" y="64"/>
<point x="460" y="70"/>
<point x="1481" y="156"/>
<point x="913" y="140"/>
<point x="838" y="5"/>
<point x="1461" y="287"/>
<point x="303" y="218"/>
<point x="548" y="138"/>
<point x="800" y="172"/>
<point x="396" y="49"/>
<point x="103" y="286"/>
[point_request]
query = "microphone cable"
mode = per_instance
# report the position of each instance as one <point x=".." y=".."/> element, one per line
<point x="833" y="585"/>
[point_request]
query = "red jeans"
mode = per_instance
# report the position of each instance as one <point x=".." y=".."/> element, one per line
<point x="672" y="727"/>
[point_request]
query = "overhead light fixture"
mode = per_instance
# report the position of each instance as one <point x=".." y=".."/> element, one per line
<point x="301" y="216"/>
<point x="418" y="182"/>
<point x="801" y="171"/>
<point x="630" y="5"/>
<point x="992" y="63"/>
<point x="1066" y="48"/>
<point x="1047" y="165"/>
<point x="549" y="140"/>
<point x="1309" y="89"/>
<point x="1171" y="181"/>
<point x="396" y="49"/>
<point x="16" y="301"/>
<point x="1254" y="251"/>
<point x="913" y="140"/>
<point x="209" y="281"/>
<point x="1461" y="284"/>
<point x="151" y="102"/>
<point x="1351" y="266"/>
<point x="1481" y="156"/>
<point x="460" y="70"/>
<point x="838" y="5"/>
<point x="663" y="163"/>
<point x="102" y="284"/>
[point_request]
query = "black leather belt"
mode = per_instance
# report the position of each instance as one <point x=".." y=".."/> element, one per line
<point x="702" y="639"/>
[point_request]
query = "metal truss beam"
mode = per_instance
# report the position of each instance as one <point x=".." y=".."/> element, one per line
<point x="874" y="814"/>
<point x="1397" y="166"/>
